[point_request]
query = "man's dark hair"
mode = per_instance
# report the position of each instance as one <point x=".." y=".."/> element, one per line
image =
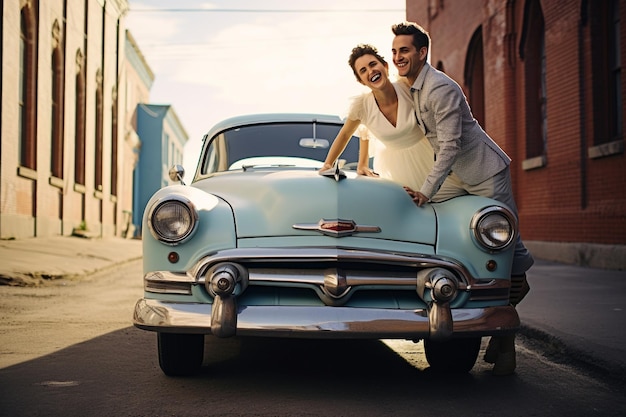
<point x="360" y="50"/>
<point x="420" y="36"/>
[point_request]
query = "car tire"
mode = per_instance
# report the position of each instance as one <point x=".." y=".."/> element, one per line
<point x="452" y="356"/>
<point x="180" y="354"/>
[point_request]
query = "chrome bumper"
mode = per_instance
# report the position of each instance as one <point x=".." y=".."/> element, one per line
<point x="322" y="322"/>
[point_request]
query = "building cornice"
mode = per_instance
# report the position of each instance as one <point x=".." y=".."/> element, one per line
<point x="138" y="61"/>
<point x="120" y="6"/>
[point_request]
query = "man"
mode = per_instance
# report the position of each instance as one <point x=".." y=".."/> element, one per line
<point x="462" y="148"/>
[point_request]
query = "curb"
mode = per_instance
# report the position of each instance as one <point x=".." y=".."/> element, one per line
<point x="556" y="350"/>
<point x="37" y="279"/>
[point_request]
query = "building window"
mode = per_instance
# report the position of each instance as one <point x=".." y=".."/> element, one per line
<point x="475" y="78"/>
<point x="79" y="149"/>
<point x="607" y="81"/>
<point x="56" y="162"/>
<point x="533" y="54"/>
<point x="99" y="132"/>
<point x="434" y="6"/>
<point x="615" y="75"/>
<point x="166" y="150"/>
<point x="27" y="112"/>
<point x="114" y="139"/>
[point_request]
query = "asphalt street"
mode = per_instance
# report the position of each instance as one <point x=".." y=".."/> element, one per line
<point x="575" y="312"/>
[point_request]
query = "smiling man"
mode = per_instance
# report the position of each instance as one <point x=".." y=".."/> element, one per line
<point x="462" y="149"/>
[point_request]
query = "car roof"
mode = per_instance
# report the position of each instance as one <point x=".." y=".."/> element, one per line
<point x="261" y="118"/>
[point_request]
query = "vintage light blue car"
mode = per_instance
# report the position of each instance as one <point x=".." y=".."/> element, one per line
<point x="263" y="244"/>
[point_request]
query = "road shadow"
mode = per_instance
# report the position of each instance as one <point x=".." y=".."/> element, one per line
<point x="118" y="374"/>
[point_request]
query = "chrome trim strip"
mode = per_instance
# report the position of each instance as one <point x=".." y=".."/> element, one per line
<point x="162" y="287"/>
<point x="325" y="254"/>
<point x="316" y="277"/>
<point x="169" y="276"/>
<point x="322" y="322"/>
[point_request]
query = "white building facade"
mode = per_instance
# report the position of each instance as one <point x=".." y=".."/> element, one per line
<point x="68" y="148"/>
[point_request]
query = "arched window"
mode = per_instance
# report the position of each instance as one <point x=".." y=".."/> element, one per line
<point x="27" y="113"/>
<point x="99" y="131"/>
<point x="56" y="155"/>
<point x="533" y="54"/>
<point x="475" y="76"/>
<point x="79" y="148"/>
<point x="607" y="71"/>
<point x="114" y="138"/>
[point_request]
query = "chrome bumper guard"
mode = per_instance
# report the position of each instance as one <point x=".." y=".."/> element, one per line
<point x="322" y="322"/>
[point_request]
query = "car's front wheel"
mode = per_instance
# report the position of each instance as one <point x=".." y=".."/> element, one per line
<point x="180" y="354"/>
<point x="455" y="355"/>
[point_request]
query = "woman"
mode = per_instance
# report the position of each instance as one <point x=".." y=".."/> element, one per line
<point x="401" y="152"/>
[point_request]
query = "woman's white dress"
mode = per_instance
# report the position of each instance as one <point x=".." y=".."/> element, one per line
<point x="401" y="152"/>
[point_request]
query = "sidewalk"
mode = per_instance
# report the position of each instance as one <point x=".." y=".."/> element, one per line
<point x="34" y="261"/>
<point x="573" y="311"/>
<point x="578" y="312"/>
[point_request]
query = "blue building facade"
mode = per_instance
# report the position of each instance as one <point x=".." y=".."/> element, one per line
<point x="162" y="139"/>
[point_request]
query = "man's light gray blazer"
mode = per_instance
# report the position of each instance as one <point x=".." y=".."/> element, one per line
<point x="460" y="144"/>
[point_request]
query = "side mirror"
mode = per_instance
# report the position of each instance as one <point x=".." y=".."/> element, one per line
<point x="177" y="172"/>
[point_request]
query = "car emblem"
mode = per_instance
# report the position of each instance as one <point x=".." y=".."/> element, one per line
<point x="337" y="227"/>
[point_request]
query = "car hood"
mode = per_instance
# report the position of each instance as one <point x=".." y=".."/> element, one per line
<point x="270" y="203"/>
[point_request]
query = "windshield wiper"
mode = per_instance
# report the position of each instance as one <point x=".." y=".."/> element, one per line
<point x="247" y="167"/>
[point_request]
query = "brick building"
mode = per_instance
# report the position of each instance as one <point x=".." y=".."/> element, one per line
<point x="544" y="79"/>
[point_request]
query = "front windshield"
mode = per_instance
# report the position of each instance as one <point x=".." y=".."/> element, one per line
<point x="302" y="145"/>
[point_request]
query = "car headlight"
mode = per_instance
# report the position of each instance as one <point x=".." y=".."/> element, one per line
<point x="494" y="227"/>
<point x="173" y="220"/>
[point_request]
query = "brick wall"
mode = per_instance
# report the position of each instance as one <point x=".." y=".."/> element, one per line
<point x="571" y="198"/>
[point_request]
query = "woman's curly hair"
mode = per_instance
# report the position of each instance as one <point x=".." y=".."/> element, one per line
<point x="360" y="50"/>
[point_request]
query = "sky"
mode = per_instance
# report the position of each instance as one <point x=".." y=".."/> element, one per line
<point x="214" y="59"/>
